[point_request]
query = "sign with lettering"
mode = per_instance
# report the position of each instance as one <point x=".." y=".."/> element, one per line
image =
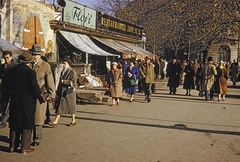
<point x="79" y="14"/>
<point x="111" y="23"/>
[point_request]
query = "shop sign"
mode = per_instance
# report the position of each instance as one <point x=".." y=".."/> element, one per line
<point x="111" y="23"/>
<point x="78" y="14"/>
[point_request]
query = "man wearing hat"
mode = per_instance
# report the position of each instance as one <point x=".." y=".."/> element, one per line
<point x="173" y="73"/>
<point x="147" y="73"/>
<point x="208" y="75"/>
<point x="22" y="83"/>
<point x="44" y="78"/>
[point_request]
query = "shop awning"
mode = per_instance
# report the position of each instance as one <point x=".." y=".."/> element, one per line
<point x="83" y="43"/>
<point x="90" y="43"/>
<point x="135" y="48"/>
<point x="6" y="46"/>
<point x="115" y="45"/>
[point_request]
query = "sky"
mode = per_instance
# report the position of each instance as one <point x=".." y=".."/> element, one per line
<point x="88" y="3"/>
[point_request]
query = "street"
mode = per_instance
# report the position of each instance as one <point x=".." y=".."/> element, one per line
<point x="171" y="128"/>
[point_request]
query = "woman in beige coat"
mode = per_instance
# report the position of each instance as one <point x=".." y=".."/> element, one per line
<point x="114" y="82"/>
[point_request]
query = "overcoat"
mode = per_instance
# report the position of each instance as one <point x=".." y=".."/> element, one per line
<point x="148" y="71"/>
<point x="66" y="102"/>
<point x="221" y="81"/>
<point x="131" y="89"/>
<point x="173" y="72"/>
<point x="209" y="71"/>
<point x="115" y="82"/>
<point x="189" y="77"/>
<point x="44" y="76"/>
<point x="24" y="92"/>
<point x="3" y="72"/>
<point x="234" y="72"/>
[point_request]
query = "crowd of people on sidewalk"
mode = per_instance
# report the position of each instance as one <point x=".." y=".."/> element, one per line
<point x="208" y="78"/>
<point x="28" y="86"/>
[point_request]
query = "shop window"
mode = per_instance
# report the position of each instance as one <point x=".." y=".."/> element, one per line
<point x="2" y="3"/>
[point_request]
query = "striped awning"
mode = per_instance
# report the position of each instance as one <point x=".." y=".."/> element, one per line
<point x="84" y="43"/>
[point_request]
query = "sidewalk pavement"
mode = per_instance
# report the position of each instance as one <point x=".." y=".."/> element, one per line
<point x="171" y="128"/>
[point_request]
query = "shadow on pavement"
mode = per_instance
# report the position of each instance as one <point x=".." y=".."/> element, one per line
<point x="175" y="127"/>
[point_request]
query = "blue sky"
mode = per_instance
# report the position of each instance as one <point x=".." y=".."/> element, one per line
<point x="88" y="3"/>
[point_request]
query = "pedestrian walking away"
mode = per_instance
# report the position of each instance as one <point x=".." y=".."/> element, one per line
<point x="208" y="75"/>
<point x="23" y="91"/>
<point x="221" y="81"/>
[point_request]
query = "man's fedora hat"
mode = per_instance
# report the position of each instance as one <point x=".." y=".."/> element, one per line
<point x="26" y="57"/>
<point x="36" y="50"/>
<point x="147" y="58"/>
<point x="210" y="58"/>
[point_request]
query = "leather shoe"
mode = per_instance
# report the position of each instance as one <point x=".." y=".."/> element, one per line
<point x="3" y="125"/>
<point x="35" y="143"/>
<point x="72" y="124"/>
<point x="11" y="150"/>
<point x="52" y="124"/>
<point x="25" y="151"/>
<point x="148" y="100"/>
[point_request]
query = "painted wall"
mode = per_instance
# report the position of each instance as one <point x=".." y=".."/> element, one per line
<point x="15" y="18"/>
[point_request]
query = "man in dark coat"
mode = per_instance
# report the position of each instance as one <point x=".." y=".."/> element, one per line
<point x="24" y="91"/>
<point x="173" y="71"/>
<point x="4" y="68"/>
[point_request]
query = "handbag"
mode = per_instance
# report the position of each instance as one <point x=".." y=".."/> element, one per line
<point x="134" y="81"/>
<point x="43" y="94"/>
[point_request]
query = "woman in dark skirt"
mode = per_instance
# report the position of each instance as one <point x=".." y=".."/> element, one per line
<point x="188" y="79"/>
<point x="131" y="77"/>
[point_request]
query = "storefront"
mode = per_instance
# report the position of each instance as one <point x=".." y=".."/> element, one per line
<point x="93" y="39"/>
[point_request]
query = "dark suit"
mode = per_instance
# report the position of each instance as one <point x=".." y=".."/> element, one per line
<point x="3" y="72"/>
<point x="22" y="83"/>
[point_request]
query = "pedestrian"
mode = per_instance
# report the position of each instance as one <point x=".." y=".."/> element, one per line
<point x="173" y="73"/>
<point x="147" y="73"/>
<point x="124" y="69"/>
<point x="196" y="65"/>
<point x="182" y="74"/>
<point x="140" y="79"/>
<point x="24" y="91"/>
<point x="114" y="81"/>
<point x="66" y="94"/>
<point x="199" y="80"/>
<point x="161" y="68"/>
<point x="131" y="76"/>
<point x="208" y="75"/>
<point x="189" y="78"/>
<point x="234" y="72"/>
<point x="221" y="81"/>
<point x="4" y="68"/>
<point x="45" y="79"/>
